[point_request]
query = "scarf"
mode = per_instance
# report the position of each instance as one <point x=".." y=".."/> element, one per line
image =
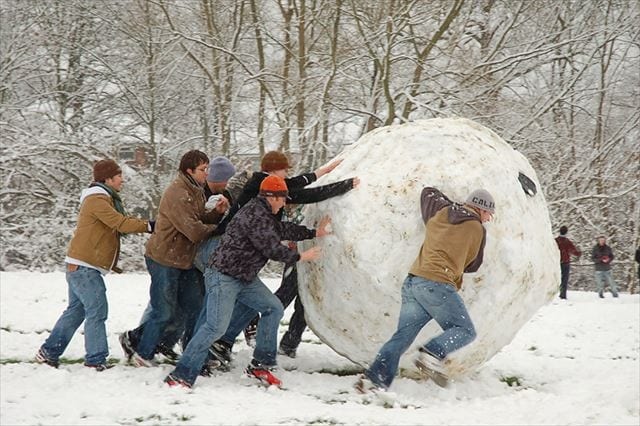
<point x="117" y="201"/>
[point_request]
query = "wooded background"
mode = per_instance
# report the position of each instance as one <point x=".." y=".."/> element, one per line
<point x="145" y="81"/>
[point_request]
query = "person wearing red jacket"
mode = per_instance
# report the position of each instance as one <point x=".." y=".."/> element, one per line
<point x="567" y="249"/>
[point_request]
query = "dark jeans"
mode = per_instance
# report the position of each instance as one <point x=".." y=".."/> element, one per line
<point x="564" y="280"/>
<point x="288" y="290"/>
<point x="176" y="300"/>
<point x="174" y="331"/>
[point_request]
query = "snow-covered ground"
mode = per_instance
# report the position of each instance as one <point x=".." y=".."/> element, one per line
<point x="575" y="362"/>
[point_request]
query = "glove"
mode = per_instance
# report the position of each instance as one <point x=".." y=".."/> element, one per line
<point x="212" y="202"/>
<point x="151" y="226"/>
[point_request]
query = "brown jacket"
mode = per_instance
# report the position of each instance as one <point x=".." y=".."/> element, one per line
<point x="181" y="224"/>
<point x="96" y="239"/>
<point x="454" y="240"/>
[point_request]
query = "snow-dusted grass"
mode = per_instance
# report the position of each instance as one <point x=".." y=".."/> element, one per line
<point x="575" y="362"/>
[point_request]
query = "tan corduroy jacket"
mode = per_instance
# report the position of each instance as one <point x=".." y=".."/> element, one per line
<point x="454" y="240"/>
<point x="96" y="239"/>
<point x="182" y="223"/>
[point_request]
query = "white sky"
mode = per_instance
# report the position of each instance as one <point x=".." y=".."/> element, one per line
<point x="577" y="362"/>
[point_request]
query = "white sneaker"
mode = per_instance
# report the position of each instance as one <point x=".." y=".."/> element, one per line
<point x="432" y="368"/>
<point x="138" y="361"/>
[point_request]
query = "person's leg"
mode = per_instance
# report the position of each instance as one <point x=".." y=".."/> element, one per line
<point x="600" y="283"/>
<point x="93" y="294"/>
<point x="411" y="320"/>
<point x="190" y="300"/>
<point x="222" y="291"/>
<point x="444" y="304"/>
<point x="250" y="331"/>
<point x="257" y="296"/>
<point x="69" y="321"/>
<point x="297" y="324"/>
<point x="242" y="316"/>
<point x="564" y="280"/>
<point x="164" y="300"/>
<point x="288" y="289"/>
<point x="612" y="283"/>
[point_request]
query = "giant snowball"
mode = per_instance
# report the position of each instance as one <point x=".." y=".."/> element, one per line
<point x="352" y="295"/>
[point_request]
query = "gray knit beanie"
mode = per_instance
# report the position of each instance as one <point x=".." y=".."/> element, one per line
<point x="220" y="170"/>
<point x="481" y="199"/>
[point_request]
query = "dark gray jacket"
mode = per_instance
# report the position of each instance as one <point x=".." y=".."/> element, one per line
<point x="254" y="236"/>
<point x="599" y="254"/>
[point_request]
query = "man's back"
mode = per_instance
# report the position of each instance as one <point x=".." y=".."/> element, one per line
<point x="567" y="248"/>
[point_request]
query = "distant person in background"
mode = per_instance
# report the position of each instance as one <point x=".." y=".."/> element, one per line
<point x="567" y="249"/>
<point x="93" y="252"/>
<point x="453" y="244"/>
<point x="602" y="256"/>
<point x="638" y="262"/>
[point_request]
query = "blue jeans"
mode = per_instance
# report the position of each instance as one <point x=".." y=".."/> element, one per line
<point x="423" y="300"/>
<point x="605" y="277"/>
<point x="223" y="293"/>
<point x="287" y="292"/>
<point x="204" y="253"/>
<point x="88" y="303"/>
<point x="176" y="295"/>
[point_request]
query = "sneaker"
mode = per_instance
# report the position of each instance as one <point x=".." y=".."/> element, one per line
<point x="286" y="351"/>
<point x="250" y="335"/>
<point x="138" y="361"/>
<point x="127" y="347"/>
<point x="431" y="367"/>
<point x="220" y="352"/>
<point x="170" y="355"/>
<point x="365" y="385"/>
<point x="100" y="367"/>
<point x="263" y="373"/>
<point x="207" y="371"/>
<point x="42" y="358"/>
<point x="174" y="381"/>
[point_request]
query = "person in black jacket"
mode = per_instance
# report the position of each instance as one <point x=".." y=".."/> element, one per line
<point x="602" y="256"/>
<point x="252" y="238"/>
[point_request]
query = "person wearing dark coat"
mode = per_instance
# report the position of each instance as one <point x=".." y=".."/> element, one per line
<point x="567" y="249"/>
<point x="602" y="256"/>
<point x="638" y="261"/>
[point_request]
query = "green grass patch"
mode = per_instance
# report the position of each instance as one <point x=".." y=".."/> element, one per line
<point x="512" y="381"/>
<point x="342" y="372"/>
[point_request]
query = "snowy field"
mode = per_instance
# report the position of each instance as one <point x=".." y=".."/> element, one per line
<point x="576" y="362"/>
